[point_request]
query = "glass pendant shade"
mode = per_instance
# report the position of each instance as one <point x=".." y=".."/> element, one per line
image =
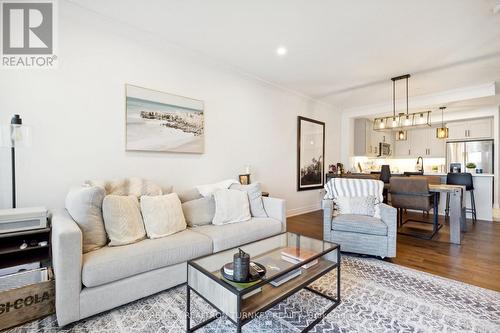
<point x="401" y="135"/>
<point x="15" y="136"/>
<point x="407" y="120"/>
<point x="442" y="132"/>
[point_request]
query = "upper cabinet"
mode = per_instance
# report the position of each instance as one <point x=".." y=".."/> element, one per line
<point x="366" y="140"/>
<point x="420" y="142"/>
<point x="472" y="129"/>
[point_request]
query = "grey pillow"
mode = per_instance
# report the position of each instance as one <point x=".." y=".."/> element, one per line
<point x="254" y="196"/>
<point x="189" y="195"/>
<point x="84" y="204"/>
<point x="199" y="211"/>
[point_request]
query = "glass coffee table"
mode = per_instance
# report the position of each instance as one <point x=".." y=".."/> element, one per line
<point x="242" y="302"/>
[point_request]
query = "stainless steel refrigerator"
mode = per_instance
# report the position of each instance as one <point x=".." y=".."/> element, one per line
<point x="478" y="152"/>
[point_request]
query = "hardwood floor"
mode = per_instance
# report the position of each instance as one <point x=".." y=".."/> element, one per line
<point x="475" y="261"/>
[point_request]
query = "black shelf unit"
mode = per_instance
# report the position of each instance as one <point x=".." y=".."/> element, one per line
<point x="12" y="255"/>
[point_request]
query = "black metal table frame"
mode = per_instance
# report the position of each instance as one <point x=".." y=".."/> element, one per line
<point x="242" y="321"/>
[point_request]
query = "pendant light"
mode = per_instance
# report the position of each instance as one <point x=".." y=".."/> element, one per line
<point x="442" y="132"/>
<point x="404" y="120"/>
<point x="401" y="121"/>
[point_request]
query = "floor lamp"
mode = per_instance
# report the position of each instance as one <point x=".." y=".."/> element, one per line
<point x="14" y="136"/>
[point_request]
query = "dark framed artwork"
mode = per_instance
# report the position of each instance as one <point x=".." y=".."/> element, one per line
<point x="310" y="154"/>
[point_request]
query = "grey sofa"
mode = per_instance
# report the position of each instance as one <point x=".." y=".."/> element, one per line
<point x="90" y="283"/>
<point x="362" y="234"/>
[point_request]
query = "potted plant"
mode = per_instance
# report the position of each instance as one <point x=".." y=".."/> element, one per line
<point x="471" y="167"/>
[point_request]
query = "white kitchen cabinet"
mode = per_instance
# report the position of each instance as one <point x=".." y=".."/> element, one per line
<point x="401" y="148"/>
<point x="480" y="129"/>
<point x="362" y="138"/>
<point x="435" y="147"/>
<point x="470" y="130"/>
<point x="420" y="142"/>
<point x="457" y="131"/>
<point x="366" y="140"/>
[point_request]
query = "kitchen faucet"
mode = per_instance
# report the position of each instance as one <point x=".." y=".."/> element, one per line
<point x="420" y="164"/>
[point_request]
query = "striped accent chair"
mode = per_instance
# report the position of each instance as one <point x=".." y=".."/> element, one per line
<point x="360" y="233"/>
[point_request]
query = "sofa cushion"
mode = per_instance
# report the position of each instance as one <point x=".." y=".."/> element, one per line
<point x="162" y="215"/>
<point x="110" y="264"/>
<point x="232" y="235"/>
<point x="231" y="206"/>
<point x="122" y="219"/>
<point x="255" y="198"/>
<point x="199" y="212"/>
<point x="188" y="195"/>
<point x="129" y="186"/>
<point x="84" y="204"/>
<point x="359" y="224"/>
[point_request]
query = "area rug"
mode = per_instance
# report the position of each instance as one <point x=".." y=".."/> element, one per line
<point x="377" y="296"/>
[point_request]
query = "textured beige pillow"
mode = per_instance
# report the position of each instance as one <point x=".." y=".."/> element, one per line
<point x="162" y="215"/>
<point x="366" y="205"/>
<point x="231" y="206"/>
<point x="84" y="205"/>
<point x="122" y="219"/>
<point x="129" y="186"/>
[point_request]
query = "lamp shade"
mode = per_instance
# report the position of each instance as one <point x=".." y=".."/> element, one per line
<point x="15" y="134"/>
<point x="442" y="132"/>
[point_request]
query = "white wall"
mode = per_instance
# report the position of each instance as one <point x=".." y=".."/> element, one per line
<point x="77" y="114"/>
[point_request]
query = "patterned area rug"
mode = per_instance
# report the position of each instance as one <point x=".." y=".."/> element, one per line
<point x="376" y="297"/>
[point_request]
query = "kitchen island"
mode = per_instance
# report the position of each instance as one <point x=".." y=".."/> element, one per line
<point x="483" y="193"/>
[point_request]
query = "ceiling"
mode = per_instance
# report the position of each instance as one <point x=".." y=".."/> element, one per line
<point x="342" y="52"/>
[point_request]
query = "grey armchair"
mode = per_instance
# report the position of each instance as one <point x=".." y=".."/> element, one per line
<point x="362" y="234"/>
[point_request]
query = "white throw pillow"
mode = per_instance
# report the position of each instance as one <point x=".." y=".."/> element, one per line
<point x="255" y="198"/>
<point x="122" y="219"/>
<point x="162" y="215"/>
<point x="366" y="205"/>
<point x="231" y="206"/>
<point x="84" y="204"/>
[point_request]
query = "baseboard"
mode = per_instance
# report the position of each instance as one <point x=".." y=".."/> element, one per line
<point x="303" y="210"/>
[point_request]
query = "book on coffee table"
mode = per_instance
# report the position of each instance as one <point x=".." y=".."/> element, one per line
<point x="297" y="255"/>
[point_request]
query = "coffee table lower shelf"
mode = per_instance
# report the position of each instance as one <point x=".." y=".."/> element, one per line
<point x="250" y="308"/>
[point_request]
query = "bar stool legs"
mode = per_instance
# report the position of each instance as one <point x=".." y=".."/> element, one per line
<point x="473" y="206"/>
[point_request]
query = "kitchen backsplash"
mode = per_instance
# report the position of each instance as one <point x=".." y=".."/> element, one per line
<point x="396" y="164"/>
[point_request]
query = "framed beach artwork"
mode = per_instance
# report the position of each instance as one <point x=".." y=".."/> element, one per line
<point x="310" y="154"/>
<point x="162" y="122"/>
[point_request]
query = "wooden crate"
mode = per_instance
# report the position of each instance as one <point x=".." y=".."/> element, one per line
<point x="26" y="303"/>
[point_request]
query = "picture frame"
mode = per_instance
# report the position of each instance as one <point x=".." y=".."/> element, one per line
<point x="310" y="154"/>
<point x="244" y="179"/>
<point x="157" y="121"/>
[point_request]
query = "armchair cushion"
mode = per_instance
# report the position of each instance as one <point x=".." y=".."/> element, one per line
<point x="361" y="224"/>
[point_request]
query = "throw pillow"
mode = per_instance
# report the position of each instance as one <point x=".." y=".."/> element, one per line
<point x="122" y="219"/>
<point x="128" y="186"/>
<point x="189" y="195"/>
<point x="231" y="206"/>
<point x="84" y="204"/>
<point x="254" y="196"/>
<point x="357" y="205"/>
<point x="199" y="212"/>
<point x="162" y="215"/>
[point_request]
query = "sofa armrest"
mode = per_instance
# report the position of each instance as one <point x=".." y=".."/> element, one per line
<point x="276" y="209"/>
<point x="67" y="264"/>
<point x="327" y="205"/>
<point x="389" y="217"/>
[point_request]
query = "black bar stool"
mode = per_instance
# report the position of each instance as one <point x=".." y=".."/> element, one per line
<point x="463" y="179"/>
<point x="385" y="176"/>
